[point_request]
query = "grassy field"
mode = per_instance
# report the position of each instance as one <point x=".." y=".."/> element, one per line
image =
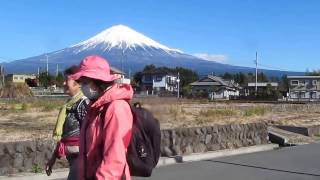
<point x="35" y="118"/>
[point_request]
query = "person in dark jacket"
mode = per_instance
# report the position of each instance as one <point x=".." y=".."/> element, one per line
<point x="67" y="129"/>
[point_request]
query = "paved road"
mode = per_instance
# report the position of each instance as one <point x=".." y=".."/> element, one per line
<point x="293" y="163"/>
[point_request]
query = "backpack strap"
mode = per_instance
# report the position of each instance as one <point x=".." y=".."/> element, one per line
<point x="85" y="101"/>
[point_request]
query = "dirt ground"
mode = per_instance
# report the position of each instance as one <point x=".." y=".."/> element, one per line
<point x="36" y="122"/>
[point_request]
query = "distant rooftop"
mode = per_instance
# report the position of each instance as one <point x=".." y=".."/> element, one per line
<point x="302" y="77"/>
<point x="263" y="84"/>
<point x="214" y="81"/>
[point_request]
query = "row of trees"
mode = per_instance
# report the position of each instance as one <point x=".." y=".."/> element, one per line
<point x="243" y="79"/>
<point x="47" y="80"/>
<point x="312" y="73"/>
<point x="188" y="76"/>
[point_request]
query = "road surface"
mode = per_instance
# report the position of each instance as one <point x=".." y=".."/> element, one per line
<point x="291" y="163"/>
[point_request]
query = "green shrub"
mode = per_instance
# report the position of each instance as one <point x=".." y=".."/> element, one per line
<point x="174" y="111"/>
<point x="47" y="104"/>
<point x="24" y="107"/>
<point x="256" y="111"/>
<point x="217" y="112"/>
<point x="36" y="168"/>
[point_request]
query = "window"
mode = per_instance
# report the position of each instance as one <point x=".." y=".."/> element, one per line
<point x="294" y="82"/>
<point x="302" y="94"/>
<point x="158" y="78"/>
<point x="147" y="78"/>
<point x="15" y="78"/>
<point x="314" y="82"/>
<point x="21" y="78"/>
<point x="294" y="95"/>
<point x="302" y="82"/>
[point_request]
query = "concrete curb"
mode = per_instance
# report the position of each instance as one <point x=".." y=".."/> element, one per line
<point x="164" y="161"/>
<point x="277" y="138"/>
<point x="215" y="154"/>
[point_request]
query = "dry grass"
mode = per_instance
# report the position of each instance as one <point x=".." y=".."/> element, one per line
<point x="13" y="90"/>
<point x="22" y="119"/>
<point x="186" y="113"/>
<point x="35" y="118"/>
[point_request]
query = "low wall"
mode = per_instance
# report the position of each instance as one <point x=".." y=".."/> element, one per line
<point x="32" y="155"/>
<point x="304" y="130"/>
<point x="26" y="156"/>
<point x="201" y="139"/>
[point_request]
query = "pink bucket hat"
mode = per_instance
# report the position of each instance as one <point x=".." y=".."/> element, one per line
<point x="94" y="67"/>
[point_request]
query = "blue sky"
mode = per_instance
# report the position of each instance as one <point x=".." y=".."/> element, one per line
<point x="286" y="33"/>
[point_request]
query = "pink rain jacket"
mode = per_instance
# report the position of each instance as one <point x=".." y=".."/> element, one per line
<point x="107" y="136"/>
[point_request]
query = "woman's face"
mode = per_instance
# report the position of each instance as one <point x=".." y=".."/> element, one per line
<point x="71" y="87"/>
<point x="89" y="88"/>
<point x="84" y="81"/>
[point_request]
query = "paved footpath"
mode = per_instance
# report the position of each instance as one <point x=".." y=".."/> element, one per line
<point x="292" y="163"/>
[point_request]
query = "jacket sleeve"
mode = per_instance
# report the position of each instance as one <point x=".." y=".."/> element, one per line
<point x="116" y="134"/>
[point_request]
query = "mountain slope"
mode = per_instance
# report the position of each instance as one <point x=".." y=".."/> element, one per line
<point x="128" y="50"/>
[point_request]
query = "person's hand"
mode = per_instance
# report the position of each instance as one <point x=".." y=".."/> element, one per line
<point x="49" y="166"/>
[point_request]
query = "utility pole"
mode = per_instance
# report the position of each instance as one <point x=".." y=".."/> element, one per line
<point x="57" y="72"/>
<point x="129" y="73"/>
<point x="122" y="61"/>
<point x="47" y="65"/>
<point x="256" y="72"/>
<point x="178" y="81"/>
<point x="2" y="75"/>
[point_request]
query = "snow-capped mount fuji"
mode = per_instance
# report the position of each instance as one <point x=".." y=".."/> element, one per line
<point x="121" y="37"/>
<point x="125" y="49"/>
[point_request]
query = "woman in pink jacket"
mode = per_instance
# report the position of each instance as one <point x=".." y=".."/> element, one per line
<point x="106" y="132"/>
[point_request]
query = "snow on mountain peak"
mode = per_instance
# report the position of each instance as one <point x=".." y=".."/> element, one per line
<point x="122" y="37"/>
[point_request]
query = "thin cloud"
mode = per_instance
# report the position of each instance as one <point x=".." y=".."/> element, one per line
<point x="212" y="57"/>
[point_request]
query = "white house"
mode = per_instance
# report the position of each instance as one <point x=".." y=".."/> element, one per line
<point x="157" y="81"/>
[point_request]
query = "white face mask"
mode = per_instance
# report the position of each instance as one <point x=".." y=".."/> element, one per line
<point x="88" y="92"/>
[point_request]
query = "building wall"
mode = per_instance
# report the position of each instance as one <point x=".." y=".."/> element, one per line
<point x="225" y="94"/>
<point x="15" y="78"/>
<point x="160" y="82"/>
<point x="196" y="89"/>
<point x="304" y="88"/>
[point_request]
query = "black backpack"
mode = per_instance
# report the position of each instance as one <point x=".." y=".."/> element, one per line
<point x="144" y="149"/>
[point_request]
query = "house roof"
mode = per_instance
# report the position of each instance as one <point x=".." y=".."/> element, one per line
<point x="197" y="83"/>
<point x="263" y="84"/>
<point x="214" y="81"/>
<point x="17" y="74"/>
<point x="302" y="77"/>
